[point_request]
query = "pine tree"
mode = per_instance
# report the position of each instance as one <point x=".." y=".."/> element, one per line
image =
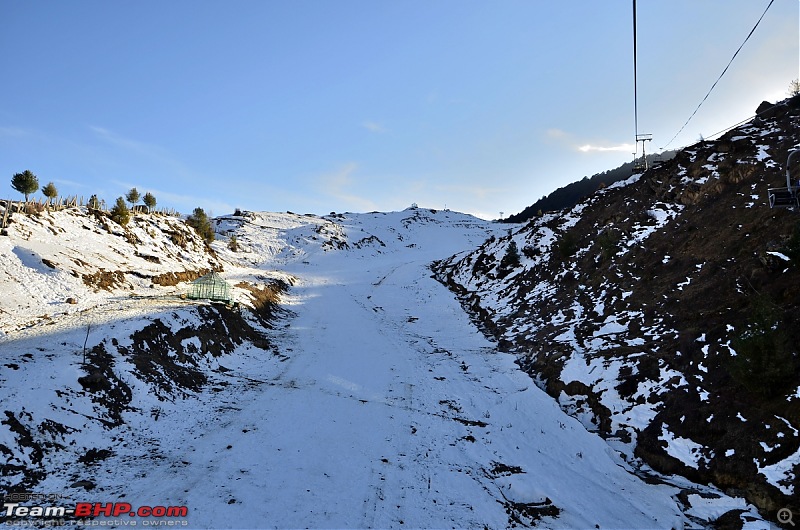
<point x="233" y="244"/>
<point x="94" y="203"/>
<point x="25" y="183"/>
<point x="50" y="191"/>
<point x="133" y="196"/>
<point x="149" y="201"/>
<point x="201" y="224"/>
<point x="511" y="259"/>
<point x="120" y="213"/>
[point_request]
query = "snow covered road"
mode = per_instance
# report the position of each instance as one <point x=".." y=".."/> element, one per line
<point x="394" y="411"/>
<point x="384" y="407"/>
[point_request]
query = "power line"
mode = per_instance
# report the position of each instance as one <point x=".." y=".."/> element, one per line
<point x="720" y="75"/>
<point x="639" y="137"/>
<point x="723" y="131"/>
<point x="711" y="136"/>
<point x="730" y="127"/>
<point x="635" y="95"/>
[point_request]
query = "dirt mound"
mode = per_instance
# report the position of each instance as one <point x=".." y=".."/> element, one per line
<point x="169" y="279"/>
<point x="264" y="299"/>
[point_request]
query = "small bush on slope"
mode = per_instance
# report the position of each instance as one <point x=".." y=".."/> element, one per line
<point x="764" y="362"/>
<point x="120" y="213"/>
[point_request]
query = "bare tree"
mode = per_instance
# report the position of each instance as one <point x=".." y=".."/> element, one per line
<point x="794" y="88"/>
<point x="86" y="340"/>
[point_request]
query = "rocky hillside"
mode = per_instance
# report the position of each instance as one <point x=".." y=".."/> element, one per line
<point x="571" y="194"/>
<point x="663" y="311"/>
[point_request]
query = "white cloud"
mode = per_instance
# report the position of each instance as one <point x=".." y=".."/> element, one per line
<point x="142" y="148"/>
<point x="556" y="133"/>
<point x="475" y="192"/>
<point x="16" y="132"/>
<point x="569" y="140"/>
<point x="588" y="148"/>
<point x="155" y="160"/>
<point x="374" y="127"/>
<point x="71" y="183"/>
<point x="337" y="185"/>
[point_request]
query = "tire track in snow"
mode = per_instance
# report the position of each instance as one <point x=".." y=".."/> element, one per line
<point x="412" y="383"/>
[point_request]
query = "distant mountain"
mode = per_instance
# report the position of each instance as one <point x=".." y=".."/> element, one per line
<point x="569" y="195"/>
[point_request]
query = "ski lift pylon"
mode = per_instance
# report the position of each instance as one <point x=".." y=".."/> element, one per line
<point x="640" y="165"/>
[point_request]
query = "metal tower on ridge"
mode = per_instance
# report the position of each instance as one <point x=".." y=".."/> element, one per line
<point x="642" y="165"/>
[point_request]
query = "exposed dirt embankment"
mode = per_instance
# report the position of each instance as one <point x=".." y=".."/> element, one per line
<point x="173" y="356"/>
<point x="169" y="279"/>
<point x="132" y="356"/>
<point x="167" y="356"/>
<point x="665" y="313"/>
<point x="264" y="299"/>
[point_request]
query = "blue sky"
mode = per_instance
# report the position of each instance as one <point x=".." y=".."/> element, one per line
<point x="354" y="105"/>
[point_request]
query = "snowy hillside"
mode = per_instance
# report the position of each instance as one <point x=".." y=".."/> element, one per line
<point x="94" y="335"/>
<point x="366" y="398"/>
<point x="49" y="258"/>
<point x="662" y="312"/>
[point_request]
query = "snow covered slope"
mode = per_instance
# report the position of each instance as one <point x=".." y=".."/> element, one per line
<point x="372" y="402"/>
<point x="663" y="312"/>
<point x="51" y="257"/>
<point x="94" y="337"/>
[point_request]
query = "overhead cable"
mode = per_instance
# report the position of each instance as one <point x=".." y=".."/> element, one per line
<point x="720" y="75"/>
<point x="635" y="95"/>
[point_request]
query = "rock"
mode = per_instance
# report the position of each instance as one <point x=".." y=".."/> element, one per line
<point x="767" y="111"/>
<point x="95" y="382"/>
<point x="93" y="456"/>
<point x="71" y="301"/>
<point x="85" y="484"/>
<point x="764" y="106"/>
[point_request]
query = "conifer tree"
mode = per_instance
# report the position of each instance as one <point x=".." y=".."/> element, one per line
<point x="50" y="191"/>
<point x="201" y="224"/>
<point x="25" y="183"/>
<point x="120" y="213"/>
<point x="149" y="201"/>
<point x="512" y="255"/>
<point x="133" y="196"/>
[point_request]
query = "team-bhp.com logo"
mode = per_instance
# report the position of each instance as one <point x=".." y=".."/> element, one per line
<point x="14" y="513"/>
